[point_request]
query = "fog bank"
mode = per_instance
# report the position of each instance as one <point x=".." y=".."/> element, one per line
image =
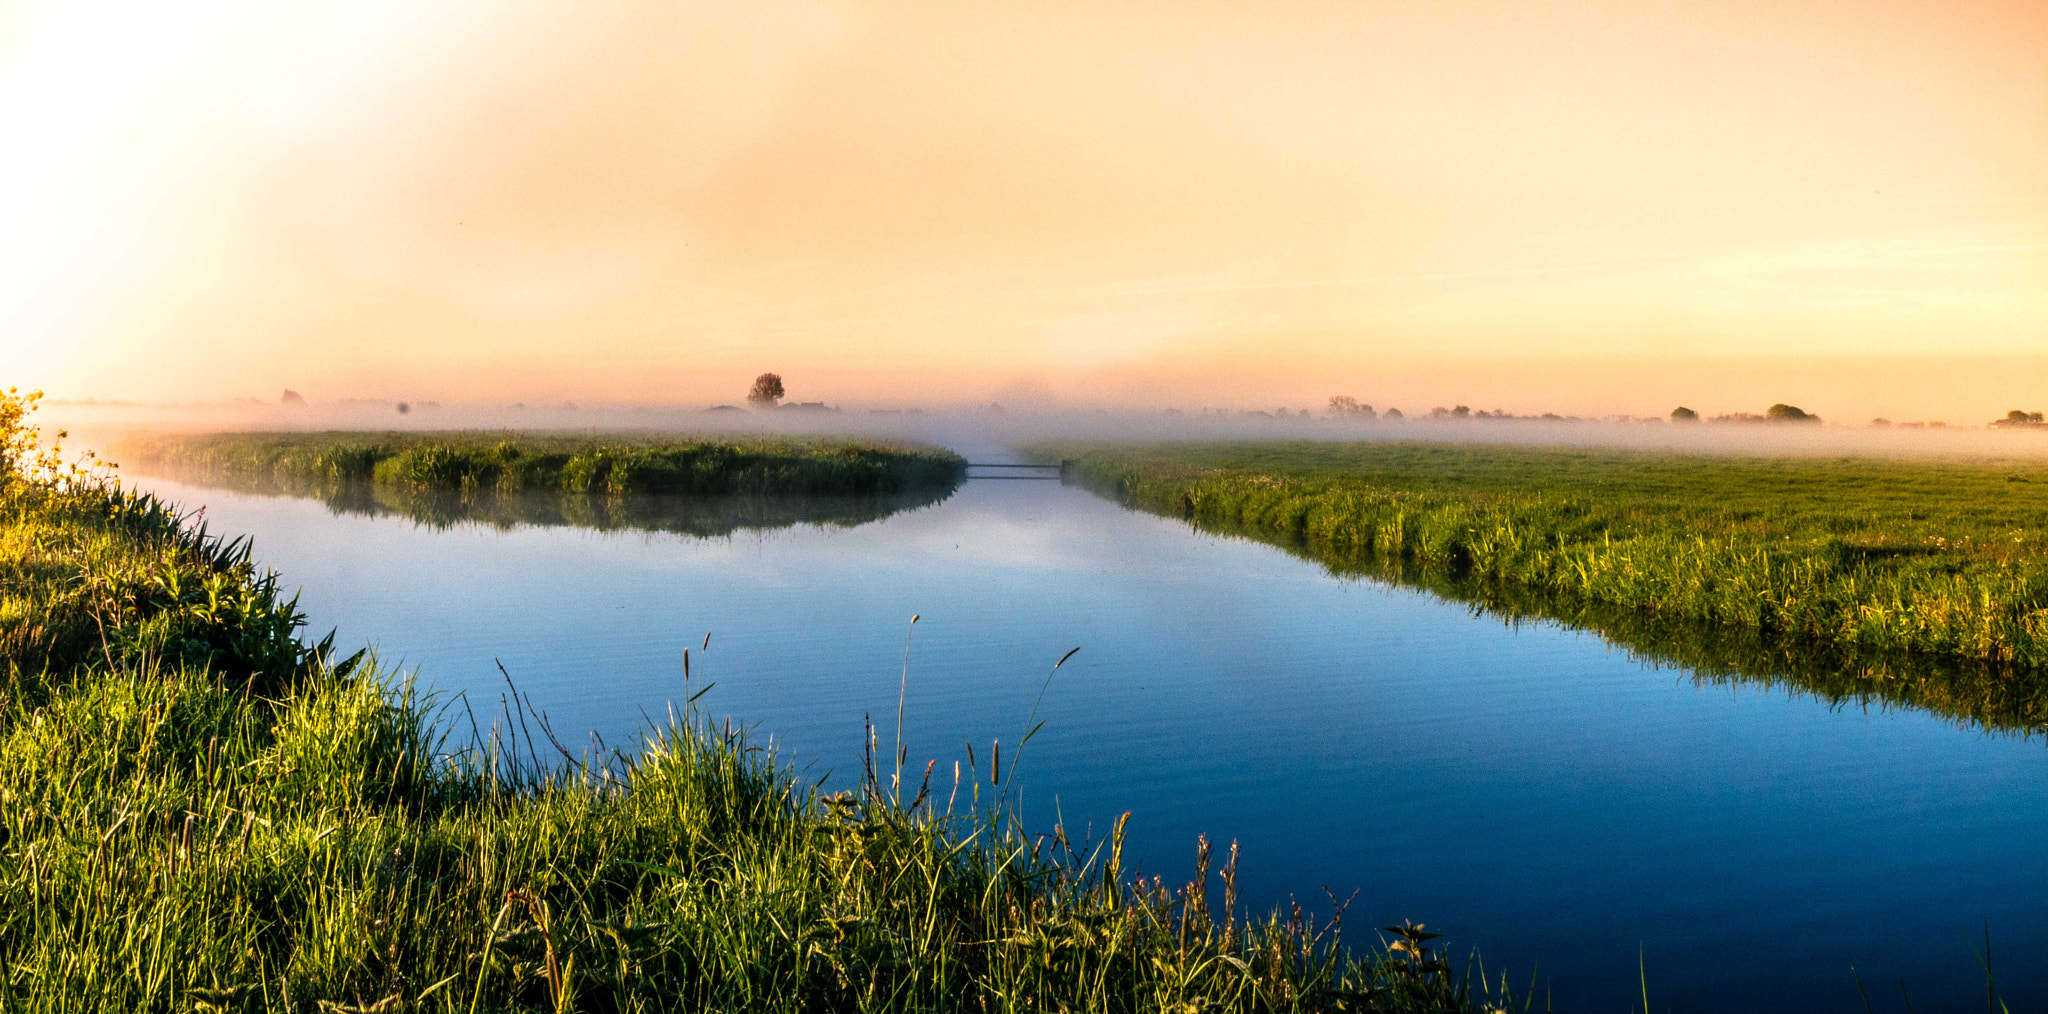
<point x="984" y="430"/>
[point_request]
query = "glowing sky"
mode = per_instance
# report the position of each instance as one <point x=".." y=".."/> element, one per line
<point x="1589" y="207"/>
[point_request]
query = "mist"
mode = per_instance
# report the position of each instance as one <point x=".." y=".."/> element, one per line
<point x="997" y="428"/>
<point x="1590" y="210"/>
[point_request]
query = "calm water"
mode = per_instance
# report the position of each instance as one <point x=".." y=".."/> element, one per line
<point x="1531" y="792"/>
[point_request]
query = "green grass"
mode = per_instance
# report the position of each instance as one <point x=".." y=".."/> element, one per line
<point x="695" y="516"/>
<point x="200" y="812"/>
<point x="1861" y="564"/>
<point x="576" y="464"/>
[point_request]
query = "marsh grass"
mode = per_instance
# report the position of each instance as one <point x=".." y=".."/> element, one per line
<point x="1966" y="691"/>
<point x="200" y="812"/>
<point x="707" y="516"/>
<point x="588" y="464"/>
<point x="1866" y="557"/>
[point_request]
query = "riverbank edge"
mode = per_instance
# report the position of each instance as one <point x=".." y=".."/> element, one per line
<point x="201" y="810"/>
<point x="592" y="463"/>
<point x="1496" y="552"/>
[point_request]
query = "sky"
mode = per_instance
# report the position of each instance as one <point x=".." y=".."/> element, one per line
<point x="1577" y="207"/>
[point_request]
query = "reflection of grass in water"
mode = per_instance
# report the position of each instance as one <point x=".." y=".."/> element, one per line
<point x="1968" y="692"/>
<point x="698" y="516"/>
<point x="695" y="516"/>
<point x="687" y="487"/>
<point x="1902" y="583"/>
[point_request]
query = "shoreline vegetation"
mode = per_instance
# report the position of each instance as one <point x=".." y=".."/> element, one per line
<point x="692" y="516"/>
<point x="609" y="464"/>
<point x="1913" y="582"/>
<point x="200" y="811"/>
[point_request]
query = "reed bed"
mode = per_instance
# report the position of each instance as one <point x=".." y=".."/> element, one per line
<point x="200" y="811"/>
<point x="1945" y="560"/>
<point x="577" y="464"/>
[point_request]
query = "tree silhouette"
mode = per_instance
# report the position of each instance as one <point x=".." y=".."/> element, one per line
<point x="1346" y="405"/>
<point x="767" y="390"/>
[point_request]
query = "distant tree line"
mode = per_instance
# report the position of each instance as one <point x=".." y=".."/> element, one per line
<point x="1344" y="406"/>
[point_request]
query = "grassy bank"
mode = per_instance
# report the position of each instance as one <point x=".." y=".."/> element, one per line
<point x="695" y="516"/>
<point x="1869" y="558"/>
<point x="577" y="464"/>
<point x="200" y="812"/>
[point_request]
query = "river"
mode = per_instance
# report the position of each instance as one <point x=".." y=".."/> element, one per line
<point x="1530" y="790"/>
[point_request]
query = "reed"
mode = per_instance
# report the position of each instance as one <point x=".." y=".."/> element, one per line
<point x="614" y="465"/>
<point x="199" y="811"/>
<point x="1876" y="557"/>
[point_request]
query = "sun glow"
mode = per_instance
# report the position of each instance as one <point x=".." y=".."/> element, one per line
<point x="1150" y="204"/>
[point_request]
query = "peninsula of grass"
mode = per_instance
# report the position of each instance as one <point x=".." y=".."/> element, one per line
<point x="201" y="812"/>
<point x="711" y="516"/>
<point x="1866" y="557"/>
<point x="584" y="463"/>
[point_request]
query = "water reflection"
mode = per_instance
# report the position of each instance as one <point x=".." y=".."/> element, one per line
<point x="696" y="516"/>
<point x="1992" y="697"/>
<point x="1528" y="791"/>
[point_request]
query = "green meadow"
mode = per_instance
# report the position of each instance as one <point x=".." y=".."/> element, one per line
<point x="1855" y="566"/>
<point x="583" y="463"/>
<point x="201" y="811"/>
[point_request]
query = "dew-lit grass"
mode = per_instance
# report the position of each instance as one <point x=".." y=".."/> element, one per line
<point x="199" y="811"/>
<point x="1876" y="556"/>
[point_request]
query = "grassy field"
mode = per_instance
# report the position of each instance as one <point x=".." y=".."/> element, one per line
<point x="1868" y="561"/>
<point x="199" y="811"/>
<point x="614" y="464"/>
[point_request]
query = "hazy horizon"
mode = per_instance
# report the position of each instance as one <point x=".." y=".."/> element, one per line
<point x="1590" y="209"/>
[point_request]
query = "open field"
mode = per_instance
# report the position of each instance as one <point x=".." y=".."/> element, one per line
<point x="1868" y="558"/>
<point x="198" y="811"/>
<point x="585" y="463"/>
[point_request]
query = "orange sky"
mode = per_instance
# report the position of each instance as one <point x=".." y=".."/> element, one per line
<point x="1595" y="207"/>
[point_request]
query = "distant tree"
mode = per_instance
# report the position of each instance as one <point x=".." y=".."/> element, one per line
<point x="403" y="408"/>
<point x="1681" y="414"/>
<point x="1880" y="423"/>
<point x="1395" y="413"/>
<point x="767" y="390"/>
<point x="291" y="397"/>
<point x="1462" y="412"/>
<point x="1346" y="405"/>
<point x="1782" y="412"/>
<point x="2019" y="418"/>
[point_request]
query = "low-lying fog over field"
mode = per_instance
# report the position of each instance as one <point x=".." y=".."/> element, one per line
<point x="995" y="426"/>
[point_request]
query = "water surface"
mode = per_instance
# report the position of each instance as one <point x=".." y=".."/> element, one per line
<point x="1529" y="790"/>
